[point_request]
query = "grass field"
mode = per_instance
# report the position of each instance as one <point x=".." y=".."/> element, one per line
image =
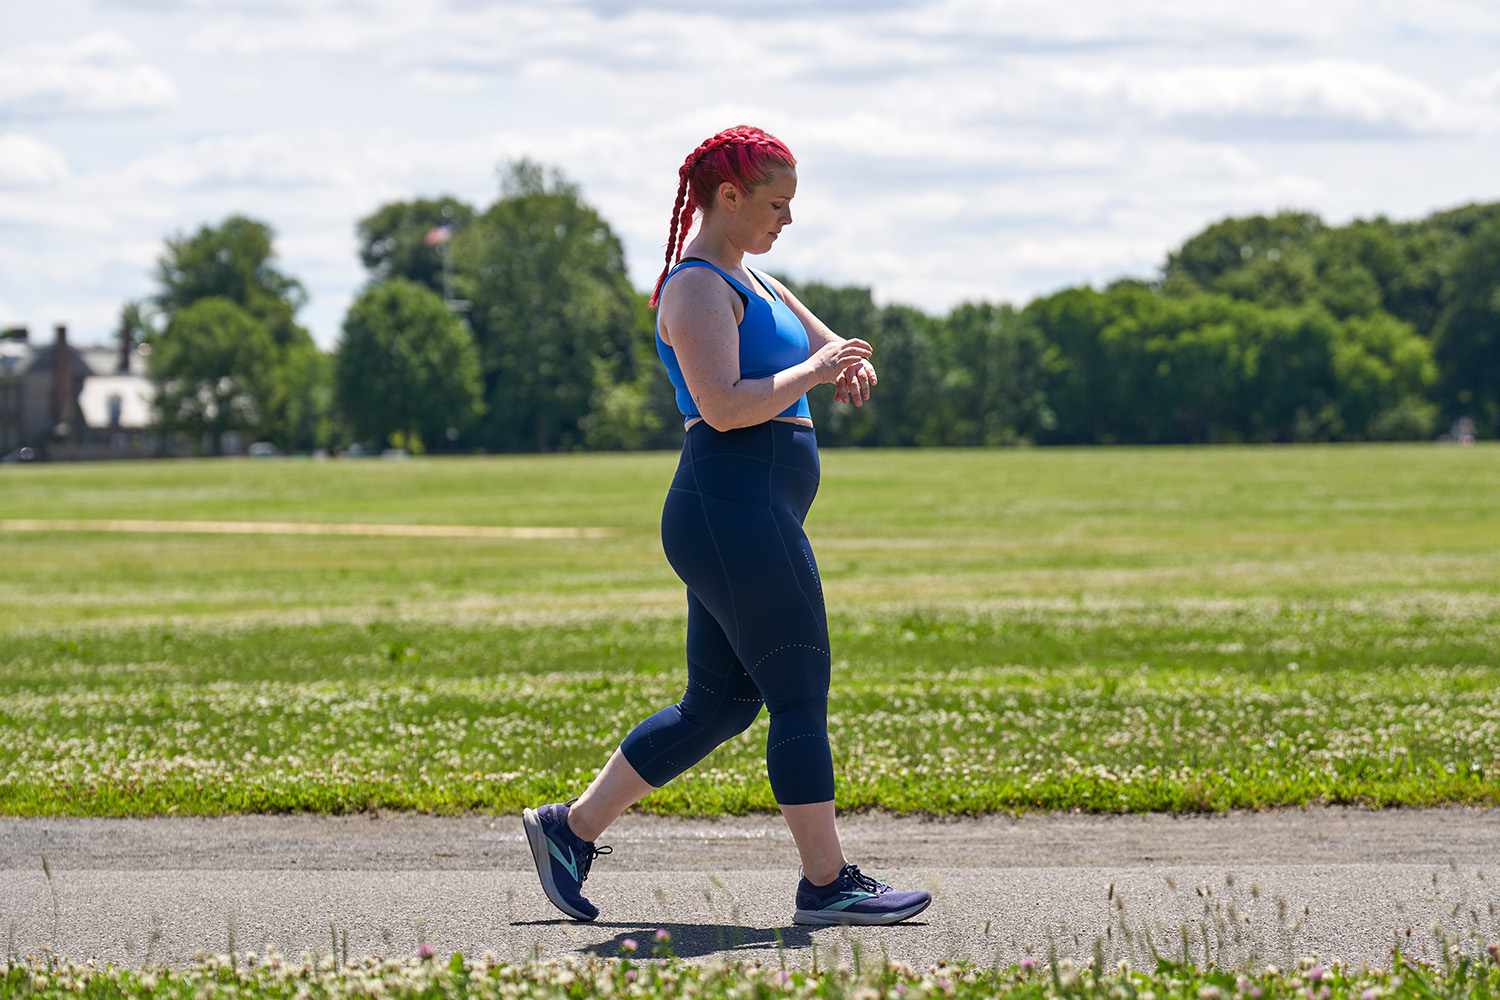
<point x="1105" y="629"/>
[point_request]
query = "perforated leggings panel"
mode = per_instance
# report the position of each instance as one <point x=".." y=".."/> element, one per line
<point x="757" y="632"/>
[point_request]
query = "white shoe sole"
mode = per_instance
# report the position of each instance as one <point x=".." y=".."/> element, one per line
<point x="538" y="841"/>
<point x="827" y="917"/>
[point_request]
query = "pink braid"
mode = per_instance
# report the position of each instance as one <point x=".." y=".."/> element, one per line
<point x="742" y="155"/>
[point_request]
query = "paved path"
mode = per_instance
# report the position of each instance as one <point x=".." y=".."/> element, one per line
<point x="1261" y="887"/>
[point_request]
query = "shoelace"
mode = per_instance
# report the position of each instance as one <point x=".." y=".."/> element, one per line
<point x="587" y="860"/>
<point x="862" y="880"/>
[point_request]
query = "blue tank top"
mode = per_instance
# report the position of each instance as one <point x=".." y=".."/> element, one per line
<point x="772" y="339"/>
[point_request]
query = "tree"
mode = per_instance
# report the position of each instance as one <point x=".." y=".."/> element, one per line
<point x="1079" y="377"/>
<point x="406" y="366"/>
<point x="1383" y="371"/>
<point x="546" y="278"/>
<point x="233" y="262"/>
<point x="212" y="369"/>
<point x="903" y="407"/>
<point x="992" y="377"/>
<point x="393" y="239"/>
<point x="1468" y="332"/>
<point x="638" y="410"/>
<point x="1232" y="243"/>
<point x="301" y="401"/>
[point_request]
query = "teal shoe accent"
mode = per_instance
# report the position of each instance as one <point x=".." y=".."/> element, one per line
<point x="569" y="863"/>
<point x="850" y="899"/>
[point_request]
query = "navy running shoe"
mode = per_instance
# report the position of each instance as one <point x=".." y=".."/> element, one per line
<point x="562" y="859"/>
<point x="856" y="898"/>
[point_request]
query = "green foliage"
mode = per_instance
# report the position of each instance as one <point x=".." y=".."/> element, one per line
<point x="992" y="390"/>
<point x="1262" y="328"/>
<point x="213" y="369"/>
<point x="1435" y="276"/>
<point x="1468" y="332"/>
<point x="1130" y="365"/>
<point x="232" y="263"/>
<point x="406" y="365"/>
<point x="1227" y="246"/>
<point x="392" y="239"/>
<point x="300" y="404"/>
<point x="1383" y="371"/>
<point x="546" y="278"/>
<point x="904" y="406"/>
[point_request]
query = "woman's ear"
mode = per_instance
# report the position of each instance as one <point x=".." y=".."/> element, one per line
<point x="729" y="195"/>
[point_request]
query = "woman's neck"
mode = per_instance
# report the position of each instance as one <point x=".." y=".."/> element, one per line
<point x="717" y="249"/>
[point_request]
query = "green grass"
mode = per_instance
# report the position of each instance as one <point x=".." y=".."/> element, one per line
<point x="1109" y="629"/>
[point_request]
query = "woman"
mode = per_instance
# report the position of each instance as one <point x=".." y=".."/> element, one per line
<point x="741" y="352"/>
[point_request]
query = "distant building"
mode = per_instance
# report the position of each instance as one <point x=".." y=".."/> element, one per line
<point x="67" y="402"/>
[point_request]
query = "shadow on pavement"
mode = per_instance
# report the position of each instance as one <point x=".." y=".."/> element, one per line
<point x="697" y="940"/>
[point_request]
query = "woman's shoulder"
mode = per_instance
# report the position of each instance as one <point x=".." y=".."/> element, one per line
<point x="693" y="291"/>
<point x="695" y="281"/>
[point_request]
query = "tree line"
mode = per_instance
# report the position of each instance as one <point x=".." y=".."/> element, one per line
<point x="522" y="332"/>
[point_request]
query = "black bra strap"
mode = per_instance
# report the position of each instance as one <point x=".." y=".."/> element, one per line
<point x="722" y="273"/>
<point x="733" y="282"/>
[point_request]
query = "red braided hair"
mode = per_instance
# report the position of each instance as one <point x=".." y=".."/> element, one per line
<point x="743" y="155"/>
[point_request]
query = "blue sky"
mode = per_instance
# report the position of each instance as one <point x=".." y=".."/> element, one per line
<point x="947" y="151"/>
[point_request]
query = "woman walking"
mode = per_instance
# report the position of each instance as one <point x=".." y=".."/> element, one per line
<point x="741" y="352"/>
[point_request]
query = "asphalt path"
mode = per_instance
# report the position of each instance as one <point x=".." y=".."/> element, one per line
<point x="1248" y="889"/>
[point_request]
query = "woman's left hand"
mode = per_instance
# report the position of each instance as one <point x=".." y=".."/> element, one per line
<point x="854" y="383"/>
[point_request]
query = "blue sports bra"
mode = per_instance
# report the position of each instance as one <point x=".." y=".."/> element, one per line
<point x="772" y="339"/>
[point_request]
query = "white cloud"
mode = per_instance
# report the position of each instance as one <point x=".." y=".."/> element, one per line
<point x="1484" y="88"/>
<point x="287" y="162"/>
<point x="1318" y="92"/>
<point x="99" y="73"/>
<point x="951" y="149"/>
<point x="26" y="161"/>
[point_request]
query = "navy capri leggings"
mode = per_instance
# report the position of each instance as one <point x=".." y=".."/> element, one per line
<point x="757" y="631"/>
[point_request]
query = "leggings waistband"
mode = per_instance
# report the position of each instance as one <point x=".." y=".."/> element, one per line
<point x="774" y="463"/>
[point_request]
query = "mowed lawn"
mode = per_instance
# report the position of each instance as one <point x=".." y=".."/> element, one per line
<point x="1101" y="629"/>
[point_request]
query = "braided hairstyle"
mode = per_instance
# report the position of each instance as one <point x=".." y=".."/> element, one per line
<point x="743" y="155"/>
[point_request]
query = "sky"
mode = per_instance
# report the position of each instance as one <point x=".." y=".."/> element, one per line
<point x="947" y="151"/>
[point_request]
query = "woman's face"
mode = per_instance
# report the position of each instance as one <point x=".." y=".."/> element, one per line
<point x="754" y="220"/>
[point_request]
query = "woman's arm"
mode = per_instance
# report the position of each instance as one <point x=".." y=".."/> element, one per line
<point x="818" y="333"/>
<point x="850" y="387"/>
<point x="699" y="317"/>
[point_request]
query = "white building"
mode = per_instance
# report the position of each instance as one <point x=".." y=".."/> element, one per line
<point x="66" y="402"/>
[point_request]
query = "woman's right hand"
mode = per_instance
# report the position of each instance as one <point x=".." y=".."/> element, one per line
<point x="836" y="355"/>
